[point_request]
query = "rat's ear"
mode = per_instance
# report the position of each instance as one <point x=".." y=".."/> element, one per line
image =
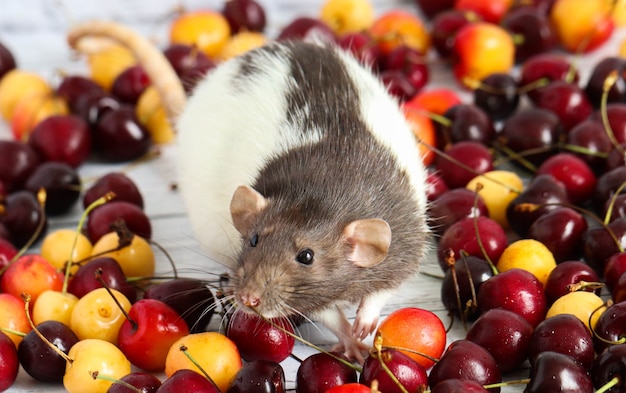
<point x="367" y="241"/>
<point x="245" y="206"/>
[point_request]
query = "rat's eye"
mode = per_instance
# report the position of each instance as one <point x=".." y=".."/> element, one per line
<point x="305" y="257"/>
<point x="254" y="240"/>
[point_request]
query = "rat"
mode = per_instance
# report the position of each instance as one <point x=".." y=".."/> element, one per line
<point x="300" y="172"/>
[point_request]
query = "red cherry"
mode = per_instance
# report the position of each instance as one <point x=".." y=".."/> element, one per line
<point x="130" y="84"/>
<point x="455" y="205"/>
<point x="123" y="186"/>
<point x="320" y="372"/>
<point x="577" y="177"/>
<point x="257" y="339"/>
<point x="516" y="290"/>
<point x="146" y="337"/>
<point x="409" y="373"/>
<point x="17" y="161"/>
<point x="10" y="365"/>
<point x="63" y="138"/>
<point x="567" y="273"/>
<point x="463" y="162"/>
<point x="561" y="230"/>
<point x="101" y="220"/>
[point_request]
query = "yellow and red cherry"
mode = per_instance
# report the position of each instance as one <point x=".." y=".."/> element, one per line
<point x="215" y="353"/>
<point x="98" y="315"/>
<point x="12" y="317"/>
<point x="582" y="25"/>
<point x="18" y="84"/>
<point x="146" y="336"/>
<point x="482" y="49"/>
<point x="398" y="27"/>
<point x="31" y="274"/>
<point x="347" y="16"/>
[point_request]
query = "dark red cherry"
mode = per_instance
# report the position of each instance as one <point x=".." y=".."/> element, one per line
<point x="22" y="217"/>
<point x="468" y="122"/>
<point x="568" y="273"/>
<point x="444" y="28"/>
<point x="462" y="162"/>
<point x="566" y="334"/>
<point x="93" y="105"/>
<point x="247" y="15"/>
<point x="73" y="87"/>
<point x="61" y="182"/>
<point x="555" y="372"/>
<point x="62" y="138"/>
<point x="533" y="31"/>
<point x="189" y="63"/>
<point x="599" y="244"/>
<point x="608" y="365"/>
<point x="320" y="371"/>
<point x="505" y="335"/>
<point x="7" y="60"/>
<point x="533" y="133"/>
<point x="145" y="382"/>
<point x="497" y="95"/>
<point x="305" y="27"/>
<point x="120" y="137"/>
<point x="261" y="376"/>
<point x="407" y="371"/>
<point x="124" y="187"/>
<point x="601" y="70"/>
<point x="574" y="173"/>
<point x="458" y="295"/>
<point x="363" y="47"/>
<point x="104" y="219"/>
<point x="561" y="230"/>
<point x="108" y="270"/>
<point x="567" y="100"/>
<point x="130" y="84"/>
<point x="591" y="142"/>
<point x="614" y="267"/>
<point x="454" y="205"/>
<point x="547" y="67"/>
<point x="17" y="161"/>
<point x="610" y="328"/>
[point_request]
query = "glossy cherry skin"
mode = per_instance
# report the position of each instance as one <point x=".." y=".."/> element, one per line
<point x="120" y="137"/>
<point x="124" y="187"/>
<point x="608" y="183"/>
<point x="190" y="297"/>
<point x="534" y="28"/>
<point x="463" y="161"/>
<point x="545" y="193"/>
<point x="454" y="205"/>
<point x="516" y="290"/>
<point x="187" y="380"/>
<point x="590" y="136"/>
<point x="247" y="15"/>
<point x="567" y="273"/>
<point x="533" y="132"/>
<point x="320" y="372"/>
<point x="261" y="376"/>
<point x="610" y="327"/>
<point x="614" y="267"/>
<point x="102" y="220"/>
<point x="599" y="245"/>
<point x="146" y="383"/>
<point x="93" y="105"/>
<point x="62" y="138"/>
<point x="38" y="359"/>
<point x="468" y="122"/>
<point x="505" y="334"/>
<point x="146" y="337"/>
<point x="9" y="366"/>
<point x="549" y="66"/>
<point x="73" y="87"/>
<point x="555" y="372"/>
<point x="23" y="215"/>
<point x="616" y="114"/>
<point x="444" y="28"/>
<point x="471" y="272"/>
<point x="257" y="339"/>
<point x="458" y="385"/>
<point x="567" y="100"/>
<point x="575" y="174"/>
<point x="609" y="364"/>
<point x="461" y="236"/>
<point x="466" y="360"/>
<point x="566" y="334"/>
<point x="619" y="290"/>
<point x="130" y="84"/>
<point x="61" y="182"/>
<point x="409" y="373"/>
<point x="435" y="186"/>
<point x="189" y="63"/>
<point x="561" y="230"/>
<point x="497" y="96"/>
<point x="304" y="26"/>
<point x="85" y="279"/>
<point x="17" y="161"/>
<point x="595" y="84"/>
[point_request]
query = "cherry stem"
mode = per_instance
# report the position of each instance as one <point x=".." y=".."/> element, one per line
<point x="519" y="156"/>
<point x="378" y="346"/>
<point x="431" y="358"/>
<point x="444" y="121"/>
<point x="479" y="187"/>
<point x="609" y="210"/>
<point x="583" y="285"/>
<point x="98" y="275"/>
<point x="608" y="83"/>
<point x="11" y="331"/>
<point x="541" y="82"/>
<point x="508" y="383"/>
<point x="26" y="297"/>
<point x="305" y="342"/>
<point x="610" y="384"/>
<point x="183" y="348"/>
<point x="100" y="201"/>
<point x="167" y="255"/>
<point x="582" y="150"/>
<point x="97" y="375"/>
<point x="451" y="262"/>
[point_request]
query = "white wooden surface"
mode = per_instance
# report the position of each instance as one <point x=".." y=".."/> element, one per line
<point x="34" y="31"/>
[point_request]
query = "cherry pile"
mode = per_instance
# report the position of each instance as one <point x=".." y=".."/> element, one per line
<point x="525" y="183"/>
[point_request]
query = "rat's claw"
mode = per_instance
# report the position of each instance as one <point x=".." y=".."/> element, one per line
<point x="363" y="327"/>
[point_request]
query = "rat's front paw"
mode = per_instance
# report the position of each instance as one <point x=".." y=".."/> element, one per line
<point x="364" y="325"/>
<point x="352" y="349"/>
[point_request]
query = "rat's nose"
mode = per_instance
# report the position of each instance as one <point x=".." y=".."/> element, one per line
<point x="250" y="300"/>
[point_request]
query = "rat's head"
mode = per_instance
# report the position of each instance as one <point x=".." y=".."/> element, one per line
<point x="296" y="260"/>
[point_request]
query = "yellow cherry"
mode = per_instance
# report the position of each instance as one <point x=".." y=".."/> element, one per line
<point x="108" y="62"/>
<point x="348" y="16"/>
<point x="136" y="259"/>
<point x="586" y="306"/>
<point x="89" y="356"/>
<point x="97" y="315"/>
<point x="530" y="255"/>
<point x="54" y="306"/>
<point x="497" y="188"/>
<point x="152" y="115"/>
<point x="17" y="84"/>
<point x="240" y="43"/>
<point x="207" y="30"/>
<point x="58" y="246"/>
